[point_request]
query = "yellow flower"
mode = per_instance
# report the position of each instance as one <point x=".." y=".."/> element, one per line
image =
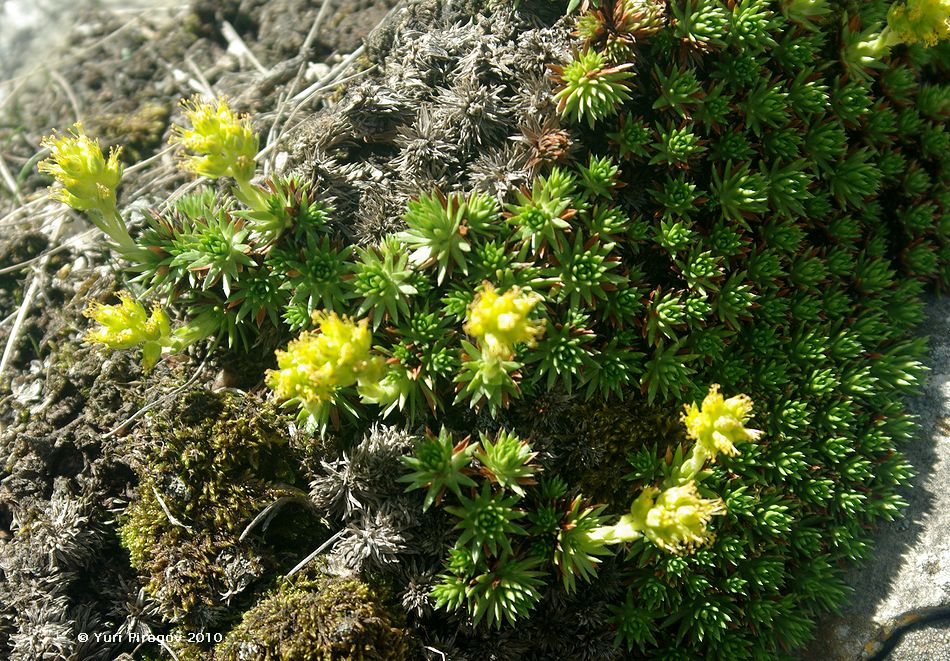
<point x="318" y="363"/>
<point x="920" y="21"/>
<point x="719" y="424"/>
<point x="676" y="519"/>
<point x="89" y="180"/>
<point x="500" y="322"/>
<point x="129" y="325"/>
<point x="222" y="144"/>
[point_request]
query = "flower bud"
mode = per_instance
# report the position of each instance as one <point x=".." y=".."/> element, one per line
<point x="920" y="21"/>
<point x="675" y="519"/>
<point x="318" y="363"/>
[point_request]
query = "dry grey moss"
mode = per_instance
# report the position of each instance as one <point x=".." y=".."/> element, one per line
<point x="358" y="492"/>
<point x="59" y="488"/>
<point x="445" y="108"/>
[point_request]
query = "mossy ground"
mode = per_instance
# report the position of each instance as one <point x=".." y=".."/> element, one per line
<point x="322" y="619"/>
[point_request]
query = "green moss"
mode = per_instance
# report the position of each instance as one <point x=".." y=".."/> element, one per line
<point x="209" y="464"/>
<point x="596" y="449"/>
<point x="139" y="133"/>
<point x="321" y="619"/>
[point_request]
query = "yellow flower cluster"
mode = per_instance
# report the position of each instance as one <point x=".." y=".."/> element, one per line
<point x="129" y="325"/>
<point x="318" y="363"/>
<point x="719" y="424"/>
<point x="89" y="180"/>
<point x="920" y="21"/>
<point x="675" y="519"/>
<point x="222" y="144"/>
<point x="500" y="321"/>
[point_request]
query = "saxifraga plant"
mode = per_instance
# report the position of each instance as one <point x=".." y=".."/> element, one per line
<point x="497" y="565"/>
<point x="760" y="201"/>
